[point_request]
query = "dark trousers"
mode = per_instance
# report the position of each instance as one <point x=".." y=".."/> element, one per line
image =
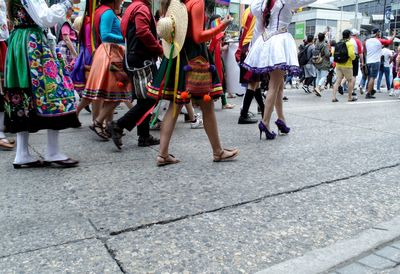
<point x="130" y="119"/>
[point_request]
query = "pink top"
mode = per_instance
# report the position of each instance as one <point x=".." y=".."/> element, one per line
<point x="67" y="30"/>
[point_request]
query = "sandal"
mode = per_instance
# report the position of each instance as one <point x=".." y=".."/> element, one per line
<point x="228" y="106"/>
<point x="169" y="160"/>
<point x="226" y="155"/>
<point x="99" y="130"/>
<point x="6" y="144"/>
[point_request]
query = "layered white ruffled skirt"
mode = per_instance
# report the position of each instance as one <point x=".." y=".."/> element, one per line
<point x="279" y="52"/>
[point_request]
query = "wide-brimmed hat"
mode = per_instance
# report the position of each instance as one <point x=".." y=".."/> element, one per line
<point x="175" y="21"/>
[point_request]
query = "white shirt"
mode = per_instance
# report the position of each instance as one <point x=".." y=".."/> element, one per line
<point x="353" y="41"/>
<point x="387" y="53"/>
<point x="374" y="50"/>
<point x="45" y="16"/>
<point x="281" y="14"/>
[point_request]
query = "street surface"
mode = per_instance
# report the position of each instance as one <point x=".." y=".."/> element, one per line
<point x="335" y="175"/>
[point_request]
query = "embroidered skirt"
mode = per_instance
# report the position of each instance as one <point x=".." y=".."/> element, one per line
<point x="107" y="80"/>
<point x="279" y="52"/>
<point x="39" y="93"/>
<point x="190" y="50"/>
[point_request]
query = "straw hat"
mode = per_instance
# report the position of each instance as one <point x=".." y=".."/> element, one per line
<point x="175" y="20"/>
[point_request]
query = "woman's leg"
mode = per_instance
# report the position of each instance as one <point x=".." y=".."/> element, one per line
<point x="275" y="83"/>
<point x="106" y="112"/>
<point x="82" y="104"/>
<point x="279" y="104"/>
<point x="167" y="128"/>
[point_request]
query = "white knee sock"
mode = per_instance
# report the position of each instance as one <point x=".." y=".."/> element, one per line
<point x="53" y="151"/>
<point x="2" y="136"/>
<point x="23" y="156"/>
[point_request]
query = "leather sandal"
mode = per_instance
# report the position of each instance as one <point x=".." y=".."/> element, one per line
<point x="37" y="163"/>
<point x="64" y="163"/>
<point x="226" y="155"/>
<point x="99" y="130"/>
<point x="169" y="160"/>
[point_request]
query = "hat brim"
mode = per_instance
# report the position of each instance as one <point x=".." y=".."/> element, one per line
<point x="179" y="12"/>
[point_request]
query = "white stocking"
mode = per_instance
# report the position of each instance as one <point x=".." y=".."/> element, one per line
<point x="2" y="136"/>
<point x="23" y="156"/>
<point x="53" y="151"/>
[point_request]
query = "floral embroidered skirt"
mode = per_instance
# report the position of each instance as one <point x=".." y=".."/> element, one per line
<point x="107" y="79"/>
<point x="190" y="50"/>
<point x="3" y="51"/>
<point x="38" y="92"/>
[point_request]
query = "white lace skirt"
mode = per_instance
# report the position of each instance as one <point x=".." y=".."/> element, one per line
<point x="277" y="53"/>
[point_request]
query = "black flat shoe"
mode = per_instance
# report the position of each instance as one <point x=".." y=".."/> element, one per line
<point x="37" y="163"/>
<point x="64" y="163"/>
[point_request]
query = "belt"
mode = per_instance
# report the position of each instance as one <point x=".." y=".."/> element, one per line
<point x="268" y="35"/>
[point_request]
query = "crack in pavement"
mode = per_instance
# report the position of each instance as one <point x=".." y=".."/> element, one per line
<point x="48" y="246"/>
<point x="257" y="200"/>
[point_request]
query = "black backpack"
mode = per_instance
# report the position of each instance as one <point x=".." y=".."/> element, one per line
<point x="341" y="54"/>
<point x="302" y="56"/>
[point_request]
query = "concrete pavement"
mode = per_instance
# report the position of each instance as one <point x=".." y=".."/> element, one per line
<point x="333" y="177"/>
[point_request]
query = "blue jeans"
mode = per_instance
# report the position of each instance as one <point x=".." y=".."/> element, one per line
<point x="373" y="70"/>
<point x="321" y="77"/>
<point x="386" y="71"/>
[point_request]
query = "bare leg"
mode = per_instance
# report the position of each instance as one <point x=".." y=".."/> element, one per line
<point x="106" y="111"/>
<point x="336" y="86"/>
<point x="351" y="87"/>
<point x="275" y="83"/>
<point x="97" y="105"/>
<point x="129" y="104"/>
<point x="279" y="103"/>
<point x="167" y="128"/>
<point x="82" y="104"/>
<point x="210" y="125"/>
<point x="190" y="111"/>
<point x="371" y="84"/>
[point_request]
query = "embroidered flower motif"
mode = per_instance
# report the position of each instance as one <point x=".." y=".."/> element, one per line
<point x="68" y="84"/>
<point x="32" y="45"/>
<point x="16" y="99"/>
<point x="50" y="69"/>
<point x="61" y="107"/>
<point x="43" y="107"/>
<point x="38" y="102"/>
<point x="34" y="64"/>
<point x="35" y="82"/>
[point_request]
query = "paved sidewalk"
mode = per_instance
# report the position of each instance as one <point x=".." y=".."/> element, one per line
<point x="376" y="250"/>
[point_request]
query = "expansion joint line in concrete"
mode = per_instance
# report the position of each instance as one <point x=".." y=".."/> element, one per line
<point x="113" y="256"/>
<point x="257" y="200"/>
<point x="47" y="246"/>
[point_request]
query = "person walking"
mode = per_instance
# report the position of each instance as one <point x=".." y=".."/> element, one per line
<point x="138" y="27"/>
<point x="373" y="47"/>
<point x="344" y="56"/>
<point x="322" y="63"/>
<point x="246" y="77"/>
<point x="38" y="93"/>
<point x="310" y="71"/>
<point x="170" y="84"/>
<point x="358" y="51"/>
<point x="273" y="19"/>
<point x="384" y="69"/>
<point x="107" y="81"/>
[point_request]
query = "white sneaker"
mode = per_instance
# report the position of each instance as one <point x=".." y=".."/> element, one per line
<point x="391" y="93"/>
<point x="198" y="123"/>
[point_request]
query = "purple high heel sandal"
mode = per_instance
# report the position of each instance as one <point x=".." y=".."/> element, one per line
<point x="282" y="128"/>
<point x="268" y="135"/>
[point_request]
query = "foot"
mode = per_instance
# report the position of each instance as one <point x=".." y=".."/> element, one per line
<point x="391" y="93"/>
<point x="246" y="120"/>
<point x="353" y="99"/>
<point x="99" y="130"/>
<point x="166" y="160"/>
<point x="317" y="92"/>
<point x="64" y="163"/>
<point x="116" y="133"/>
<point x="197" y="123"/>
<point x="360" y="89"/>
<point x="37" y="163"/>
<point x="369" y="96"/>
<point x="285" y="99"/>
<point x="230" y="95"/>
<point x="226" y="155"/>
<point x="334" y="100"/>
<point x="340" y="90"/>
<point x="228" y="106"/>
<point x="6" y="144"/>
<point x="306" y="90"/>
<point x="148" y="141"/>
